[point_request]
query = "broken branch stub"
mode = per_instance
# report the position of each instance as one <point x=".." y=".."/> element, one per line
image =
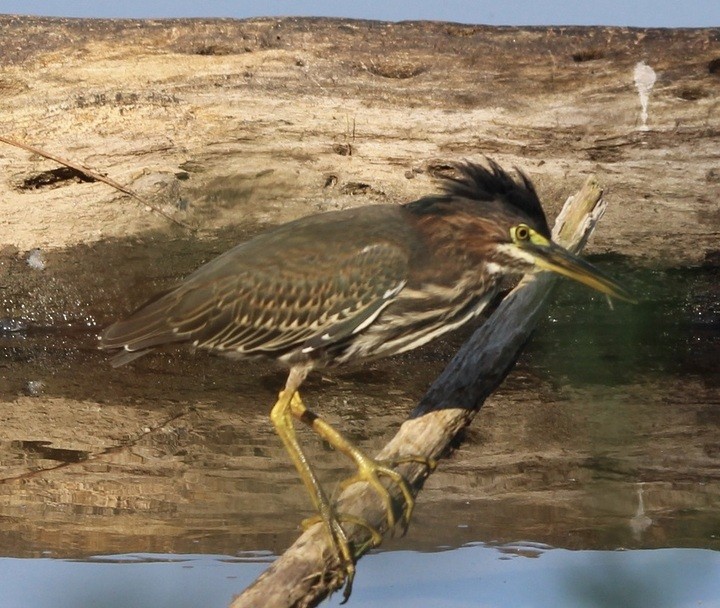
<point x="308" y="571"/>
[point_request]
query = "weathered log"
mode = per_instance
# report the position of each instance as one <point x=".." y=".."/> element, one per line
<point x="308" y="571"/>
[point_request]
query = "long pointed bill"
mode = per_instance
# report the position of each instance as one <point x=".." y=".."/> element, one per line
<point x="552" y="257"/>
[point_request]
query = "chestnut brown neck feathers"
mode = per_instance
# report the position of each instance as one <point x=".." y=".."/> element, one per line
<point x="486" y="192"/>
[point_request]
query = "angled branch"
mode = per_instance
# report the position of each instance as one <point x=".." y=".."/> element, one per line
<point x="308" y="571"/>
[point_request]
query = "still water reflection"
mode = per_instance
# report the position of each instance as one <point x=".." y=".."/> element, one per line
<point x="605" y="437"/>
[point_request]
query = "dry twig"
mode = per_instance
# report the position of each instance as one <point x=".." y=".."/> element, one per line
<point x="94" y="175"/>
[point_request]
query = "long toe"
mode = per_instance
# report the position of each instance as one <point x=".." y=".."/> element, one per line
<point x="429" y="463"/>
<point x="371" y="471"/>
<point x="342" y="547"/>
<point x="345" y="555"/>
<point x="375" y="538"/>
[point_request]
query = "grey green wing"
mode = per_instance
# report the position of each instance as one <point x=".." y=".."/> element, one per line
<point x="236" y="305"/>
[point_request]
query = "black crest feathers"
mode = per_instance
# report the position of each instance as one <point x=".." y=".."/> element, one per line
<point x="476" y="182"/>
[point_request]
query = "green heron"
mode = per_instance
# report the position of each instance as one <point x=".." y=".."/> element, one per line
<point x="353" y="285"/>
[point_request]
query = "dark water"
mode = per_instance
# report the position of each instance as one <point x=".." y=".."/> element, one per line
<point x="606" y="437"/>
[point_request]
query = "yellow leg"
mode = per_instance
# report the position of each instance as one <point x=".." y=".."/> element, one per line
<point x="290" y="404"/>
<point x="369" y="470"/>
<point x="282" y="420"/>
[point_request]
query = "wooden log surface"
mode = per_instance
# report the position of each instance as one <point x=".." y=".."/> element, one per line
<point x="227" y="122"/>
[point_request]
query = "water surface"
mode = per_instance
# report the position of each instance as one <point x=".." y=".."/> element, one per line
<point x="599" y="455"/>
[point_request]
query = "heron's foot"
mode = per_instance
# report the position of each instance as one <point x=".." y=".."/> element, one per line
<point x="344" y="550"/>
<point x="371" y="471"/>
<point x="429" y="463"/>
<point x="344" y="518"/>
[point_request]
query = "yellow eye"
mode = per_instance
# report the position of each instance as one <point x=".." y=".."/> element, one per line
<point x="522" y="232"/>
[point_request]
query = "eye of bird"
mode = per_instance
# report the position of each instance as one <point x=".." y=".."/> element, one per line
<point x="522" y="232"/>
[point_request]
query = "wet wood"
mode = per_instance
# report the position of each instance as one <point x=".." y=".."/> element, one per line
<point x="307" y="572"/>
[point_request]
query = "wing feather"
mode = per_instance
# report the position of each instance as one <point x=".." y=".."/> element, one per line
<point x="295" y="301"/>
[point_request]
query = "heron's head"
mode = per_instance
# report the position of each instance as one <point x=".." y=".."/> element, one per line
<point x="500" y="222"/>
<point x="527" y="250"/>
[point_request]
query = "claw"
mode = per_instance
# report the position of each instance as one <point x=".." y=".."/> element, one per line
<point x="429" y="463"/>
<point x="344" y="553"/>
<point x="344" y="550"/>
<point x="375" y="536"/>
<point x="370" y="471"/>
